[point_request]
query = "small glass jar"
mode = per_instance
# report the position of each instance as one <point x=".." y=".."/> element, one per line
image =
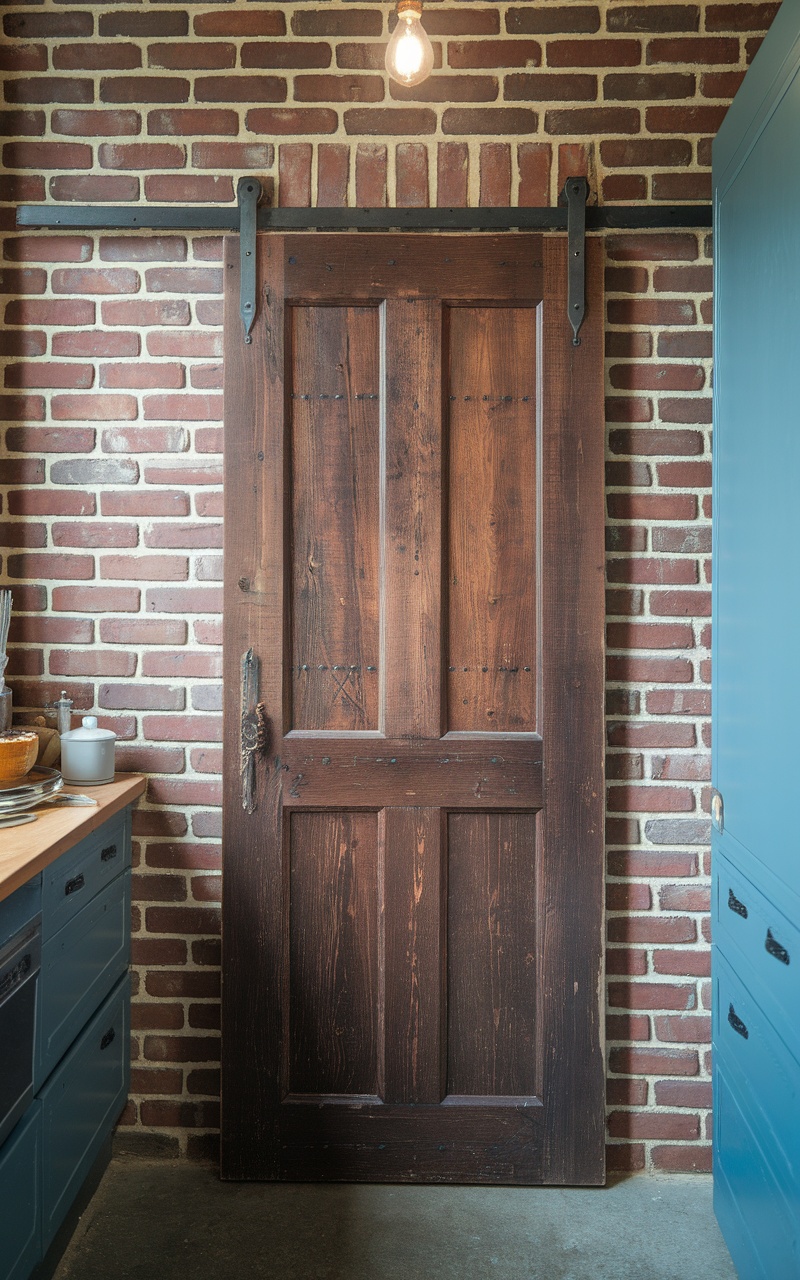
<point x="5" y="709"/>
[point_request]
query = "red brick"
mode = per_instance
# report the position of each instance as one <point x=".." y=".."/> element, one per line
<point x="263" y="22"/>
<point x="645" y="1124"/>
<point x="626" y="960"/>
<point x="205" y="122"/>
<point x="628" y="897"/>
<point x="23" y="280"/>
<point x="22" y="409"/>
<point x="411" y="175"/>
<point x="183" y="665"/>
<point x="95" y="188"/>
<point x="286" y="54"/>
<point x="142" y="155"/>
<point x="465" y="54"/>
<point x="95" y="280"/>
<point x="637" y="862"/>
<point x="96" y="599"/>
<point x="239" y="89"/>
<point x="641" y="799"/>
<point x="493" y="120"/>
<point x="97" y="407"/>
<point x="681" y="604"/>
<point x="25" y="57"/>
<point x="16" y="343"/>
<point x="697" y="51"/>
<point x="181" y="1048"/>
<point x="371" y="169"/>
<point x="649" y="86"/>
<point x="333" y="171"/>
<point x="50" y="565"/>
<point x="232" y="155"/>
<point x="294" y="182"/>
<point x="462" y="22"/>
<point x="143" y="312"/>
<point x="136" y="248"/>
<point x="47" y="155"/>
<point x="651" y="995"/>
<point x="142" y="375"/>
<point x="654" y="442"/>
<point x="639" y="635"/>
<point x="655" y="1062"/>
<point x="740" y="17"/>
<point x="721" y="84"/>
<point x="145" y="503"/>
<point x="660" y="17"/>
<point x="682" y="186"/>
<point x="103" y="56"/>
<point x="643" y="246"/>
<point x="94" y="533"/>
<point x="49" y="374"/>
<point x="686" y="702"/>
<point x="390" y="120"/>
<point x="631" y="152"/>
<point x="369" y="57"/>
<point x="659" y="736"/>
<point x="652" y="929"/>
<point x="684" y="963"/>
<point x="685" y="1028"/>
<point x="183" y="473"/>
<point x="684" y="120"/>
<point x="50" y="439"/>
<point x="191" y="55"/>
<point x="681" y="768"/>
<point x="626" y="1092"/>
<point x="141" y="89"/>
<point x="184" y="600"/>
<point x="95" y="662"/>
<point x="96" y="123"/>
<point x="534" y="160"/>
<point x="145" y="568"/>
<point x="198" y="857"/>
<point x="145" y="631"/>
<point x="22" y="533"/>
<point x="296" y="120"/>
<point x="683" y="1093"/>
<point x="46" y="89"/>
<point x="51" y="630"/>
<point x="346" y="22"/>
<point x="545" y="87"/>
<point x="594" y="53"/>
<point x="495" y="173"/>
<point x="629" y="1158"/>
<point x="156" y="23"/>
<point x="30" y="26"/>
<point x="552" y="19"/>
<point x="198" y="188"/>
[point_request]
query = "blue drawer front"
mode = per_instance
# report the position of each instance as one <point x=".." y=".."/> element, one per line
<point x="20" y="907"/>
<point x="760" y="941"/>
<point x="759" y="1222"/>
<point x="20" y="1197"/>
<point x="75" y="877"/>
<point x="79" y="967"/>
<point x="80" y="1104"/>
<point x="758" y="1065"/>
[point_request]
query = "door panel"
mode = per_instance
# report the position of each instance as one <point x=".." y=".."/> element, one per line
<point x="492" y="516"/>
<point x="412" y="915"/>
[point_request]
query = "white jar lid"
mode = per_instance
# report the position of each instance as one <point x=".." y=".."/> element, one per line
<point x="89" y="732"/>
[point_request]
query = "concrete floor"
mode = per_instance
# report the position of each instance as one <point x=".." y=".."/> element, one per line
<point x="176" y="1221"/>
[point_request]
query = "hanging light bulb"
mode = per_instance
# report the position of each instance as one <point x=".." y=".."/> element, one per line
<point x="409" y="54"/>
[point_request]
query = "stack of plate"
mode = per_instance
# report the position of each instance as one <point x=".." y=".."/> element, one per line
<point x="19" y="794"/>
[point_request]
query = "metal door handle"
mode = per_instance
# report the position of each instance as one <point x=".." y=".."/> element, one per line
<point x="736" y="905"/>
<point x="107" y="1038"/>
<point x="775" y="949"/>
<point x="108" y="853"/>
<point x="72" y="886"/>
<point x="739" y="1027"/>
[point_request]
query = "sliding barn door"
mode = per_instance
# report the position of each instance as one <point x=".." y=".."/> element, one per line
<point x="412" y="910"/>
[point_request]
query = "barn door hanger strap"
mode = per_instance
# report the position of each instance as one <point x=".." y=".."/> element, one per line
<point x="248" y="194"/>
<point x="575" y="193"/>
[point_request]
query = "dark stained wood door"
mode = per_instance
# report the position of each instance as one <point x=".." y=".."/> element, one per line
<point x="412" y="911"/>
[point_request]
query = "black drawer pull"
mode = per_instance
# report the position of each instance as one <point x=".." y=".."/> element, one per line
<point x="72" y="886"/>
<point x="111" y="1033"/>
<point x="775" y="949"/>
<point x="108" y="853"/>
<point x="739" y="1027"/>
<point x="736" y="905"/>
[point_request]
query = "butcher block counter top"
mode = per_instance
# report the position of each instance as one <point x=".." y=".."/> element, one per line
<point x="28" y="849"/>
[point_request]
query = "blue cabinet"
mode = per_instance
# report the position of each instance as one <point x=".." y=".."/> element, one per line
<point x="756" y="677"/>
<point x="81" y="1064"/>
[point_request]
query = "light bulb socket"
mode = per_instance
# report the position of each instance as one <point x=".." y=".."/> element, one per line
<point x="409" y="6"/>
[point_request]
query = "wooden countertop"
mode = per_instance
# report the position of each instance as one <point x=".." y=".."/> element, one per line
<point x="26" y="850"/>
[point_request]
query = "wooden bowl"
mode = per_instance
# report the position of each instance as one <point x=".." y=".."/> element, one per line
<point x="18" y="751"/>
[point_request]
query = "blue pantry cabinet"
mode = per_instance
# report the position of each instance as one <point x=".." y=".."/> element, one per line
<point x="756" y="663"/>
<point x="81" y="1058"/>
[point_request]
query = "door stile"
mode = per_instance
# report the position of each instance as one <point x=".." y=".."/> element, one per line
<point x="571" y="821"/>
<point x="254" y="607"/>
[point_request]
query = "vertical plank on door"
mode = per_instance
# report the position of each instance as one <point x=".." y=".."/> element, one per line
<point x="492" y="402"/>
<point x="413" y="520"/>
<point x="491" y="955"/>
<point x="415" y="995"/>
<point x="335" y="1041"/>
<point x="333" y="392"/>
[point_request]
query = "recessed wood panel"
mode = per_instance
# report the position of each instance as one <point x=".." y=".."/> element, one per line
<point x="334" y="1005"/>
<point x="492" y="408"/>
<point x="491" y="955"/>
<point x="334" y="401"/>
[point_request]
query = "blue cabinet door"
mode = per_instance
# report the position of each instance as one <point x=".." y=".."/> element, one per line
<point x="756" y="658"/>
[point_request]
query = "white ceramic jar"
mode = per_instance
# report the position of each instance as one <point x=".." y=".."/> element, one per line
<point x="87" y="754"/>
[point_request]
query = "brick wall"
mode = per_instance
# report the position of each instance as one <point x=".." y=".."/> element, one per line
<point x="111" y="474"/>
